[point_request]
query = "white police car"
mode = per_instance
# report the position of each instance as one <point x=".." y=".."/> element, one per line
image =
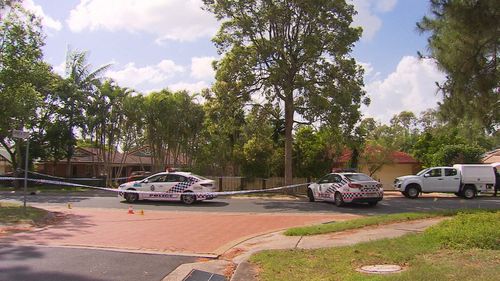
<point x="343" y="188"/>
<point x="169" y="187"/>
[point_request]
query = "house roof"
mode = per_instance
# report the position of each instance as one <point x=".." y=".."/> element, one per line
<point x="4" y="155"/>
<point x="138" y="156"/>
<point x="492" y="157"/>
<point x="398" y="157"/>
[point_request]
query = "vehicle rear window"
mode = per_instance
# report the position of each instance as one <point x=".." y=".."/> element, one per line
<point x="358" y="177"/>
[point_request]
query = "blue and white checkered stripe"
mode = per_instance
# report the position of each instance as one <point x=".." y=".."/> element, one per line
<point x="336" y="186"/>
<point x="180" y="187"/>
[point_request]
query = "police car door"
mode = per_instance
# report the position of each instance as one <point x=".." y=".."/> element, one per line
<point x="157" y="183"/>
<point x="325" y="189"/>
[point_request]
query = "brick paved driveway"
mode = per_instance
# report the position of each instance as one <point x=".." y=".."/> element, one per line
<point x="161" y="231"/>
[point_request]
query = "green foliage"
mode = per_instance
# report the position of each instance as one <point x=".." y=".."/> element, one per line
<point x="458" y="153"/>
<point x="465" y="231"/>
<point x="314" y="151"/>
<point x="464" y="40"/>
<point x="23" y="75"/>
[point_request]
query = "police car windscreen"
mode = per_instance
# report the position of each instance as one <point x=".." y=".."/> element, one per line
<point x="358" y="177"/>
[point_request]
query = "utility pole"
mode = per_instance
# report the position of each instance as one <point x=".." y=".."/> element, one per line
<point x="19" y="134"/>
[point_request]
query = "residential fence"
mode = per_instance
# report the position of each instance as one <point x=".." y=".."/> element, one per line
<point x="245" y="183"/>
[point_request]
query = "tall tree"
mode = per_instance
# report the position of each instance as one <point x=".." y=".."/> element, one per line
<point x="464" y="40"/>
<point x="22" y="73"/>
<point x="295" y="54"/>
<point x="75" y="94"/>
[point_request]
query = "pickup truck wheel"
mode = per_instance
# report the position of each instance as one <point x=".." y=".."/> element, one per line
<point x="339" y="202"/>
<point x="469" y="192"/>
<point x="412" y="191"/>
<point x="404" y="193"/>
<point x="310" y="195"/>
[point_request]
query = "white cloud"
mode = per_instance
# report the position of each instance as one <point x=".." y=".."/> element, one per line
<point x="190" y="87"/>
<point x="201" y="68"/>
<point x="180" y="20"/>
<point x="133" y="76"/>
<point x="38" y="11"/>
<point x="410" y="87"/>
<point x="367" y="16"/>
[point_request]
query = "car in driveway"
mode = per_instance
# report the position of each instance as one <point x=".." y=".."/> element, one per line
<point x="177" y="186"/>
<point x="342" y="188"/>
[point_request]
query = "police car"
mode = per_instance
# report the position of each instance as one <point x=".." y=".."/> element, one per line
<point x="342" y="188"/>
<point x="168" y="186"/>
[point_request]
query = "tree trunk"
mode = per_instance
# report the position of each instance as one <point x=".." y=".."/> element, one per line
<point x="289" y="110"/>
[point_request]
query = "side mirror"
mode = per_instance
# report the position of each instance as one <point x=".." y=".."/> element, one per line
<point x="427" y="175"/>
<point x="145" y="180"/>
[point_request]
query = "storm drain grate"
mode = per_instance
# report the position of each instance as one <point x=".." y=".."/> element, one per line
<point x="199" y="275"/>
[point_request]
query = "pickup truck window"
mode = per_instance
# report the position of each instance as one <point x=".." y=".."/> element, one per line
<point x="422" y="172"/>
<point x="450" y="172"/>
<point x="434" y="173"/>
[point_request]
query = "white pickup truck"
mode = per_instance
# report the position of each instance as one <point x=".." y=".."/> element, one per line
<point x="464" y="180"/>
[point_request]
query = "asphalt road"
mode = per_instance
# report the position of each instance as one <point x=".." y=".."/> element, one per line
<point x="256" y="205"/>
<point x="26" y="263"/>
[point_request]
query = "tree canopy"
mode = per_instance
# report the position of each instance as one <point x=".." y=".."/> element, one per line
<point x="294" y="55"/>
<point x="464" y="40"/>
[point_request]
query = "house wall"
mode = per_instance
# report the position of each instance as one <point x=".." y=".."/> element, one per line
<point x="388" y="173"/>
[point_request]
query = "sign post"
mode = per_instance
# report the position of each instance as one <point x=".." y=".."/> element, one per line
<point x="19" y="134"/>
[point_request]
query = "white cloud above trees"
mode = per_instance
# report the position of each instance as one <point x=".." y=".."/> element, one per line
<point x="201" y="68"/>
<point x="412" y="87"/>
<point x="178" y="20"/>
<point x="47" y="20"/>
<point x="367" y="16"/>
<point x="133" y="76"/>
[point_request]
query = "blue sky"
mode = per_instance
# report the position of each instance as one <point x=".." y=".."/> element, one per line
<point x="156" y="44"/>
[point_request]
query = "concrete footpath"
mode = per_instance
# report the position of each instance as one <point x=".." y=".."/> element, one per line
<point x="234" y="261"/>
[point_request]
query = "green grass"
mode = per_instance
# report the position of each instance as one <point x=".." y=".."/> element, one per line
<point x="13" y="213"/>
<point x="443" y="252"/>
<point x="48" y="188"/>
<point x="367" y="221"/>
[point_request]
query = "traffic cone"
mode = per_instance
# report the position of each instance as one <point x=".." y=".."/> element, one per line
<point x="130" y="210"/>
<point x="69" y="205"/>
<point x="142" y="213"/>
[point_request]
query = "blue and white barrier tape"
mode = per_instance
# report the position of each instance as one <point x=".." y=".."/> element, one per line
<point x="156" y="192"/>
<point x="73" y="179"/>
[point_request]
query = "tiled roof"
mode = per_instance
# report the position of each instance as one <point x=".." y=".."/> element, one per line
<point x="92" y="155"/>
<point x="398" y="157"/>
<point x="492" y="157"/>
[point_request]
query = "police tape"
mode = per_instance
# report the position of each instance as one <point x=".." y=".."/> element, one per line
<point x="215" y="193"/>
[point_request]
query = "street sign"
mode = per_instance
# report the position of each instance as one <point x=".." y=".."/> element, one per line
<point x="20" y="134"/>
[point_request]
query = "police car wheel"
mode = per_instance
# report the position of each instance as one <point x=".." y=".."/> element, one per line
<point x="338" y="199"/>
<point x="373" y="203"/>
<point x="131" y="197"/>
<point x="188" y="199"/>
<point x="310" y="195"/>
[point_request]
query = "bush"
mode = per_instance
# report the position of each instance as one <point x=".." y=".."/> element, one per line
<point x="457" y="153"/>
<point x="468" y="230"/>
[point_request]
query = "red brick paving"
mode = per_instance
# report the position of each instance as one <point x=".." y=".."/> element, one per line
<point x="164" y="231"/>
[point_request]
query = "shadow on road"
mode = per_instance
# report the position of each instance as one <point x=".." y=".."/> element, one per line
<point x="203" y="204"/>
<point x="386" y="206"/>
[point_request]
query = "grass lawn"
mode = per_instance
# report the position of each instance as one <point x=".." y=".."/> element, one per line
<point x="466" y="247"/>
<point x="367" y="221"/>
<point x="13" y="213"/>
<point x="44" y="188"/>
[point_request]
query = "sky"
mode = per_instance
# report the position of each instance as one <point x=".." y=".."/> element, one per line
<point x="157" y="44"/>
